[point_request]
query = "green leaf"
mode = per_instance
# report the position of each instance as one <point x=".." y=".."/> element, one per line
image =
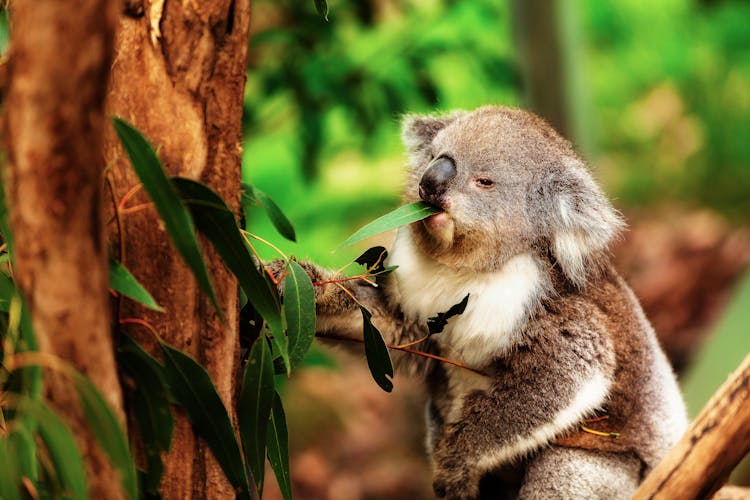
<point x="281" y="348"/>
<point x="278" y="447"/>
<point x="299" y="311"/>
<point x="150" y="403"/>
<point x="255" y="196"/>
<point x="10" y="475"/>
<point x="400" y="217"/>
<point x="24" y="448"/>
<point x="109" y="433"/>
<point x="254" y="408"/>
<point x="7" y="292"/>
<point x="4" y="224"/>
<point x="215" y="220"/>
<point x="378" y="358"/>
<point x="322" y="7"/>
<point x="437" y="323"/>
<point x="171" y="209"/>
<point x="191" y="386"/>
<point x="60" y="445"/>
<point x="123" y="282"/>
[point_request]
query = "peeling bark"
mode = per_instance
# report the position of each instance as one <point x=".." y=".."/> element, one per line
<point x="54" y="116"/>
<point x="179" y="76"/>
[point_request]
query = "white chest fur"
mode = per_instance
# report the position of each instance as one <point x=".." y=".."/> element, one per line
<point x="498" y="305"/>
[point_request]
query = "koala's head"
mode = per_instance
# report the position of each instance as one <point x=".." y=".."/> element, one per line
<point x="508" y="184"/>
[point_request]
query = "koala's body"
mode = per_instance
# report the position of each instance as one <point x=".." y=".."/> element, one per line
<point x="558" y="339"/>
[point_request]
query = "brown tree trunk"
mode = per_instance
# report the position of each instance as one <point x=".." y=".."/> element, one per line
<point x="61" y="52"/>
<point x="178" y="76"/>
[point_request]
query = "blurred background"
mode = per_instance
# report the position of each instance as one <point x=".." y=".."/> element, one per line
<point x="656" y="96"/>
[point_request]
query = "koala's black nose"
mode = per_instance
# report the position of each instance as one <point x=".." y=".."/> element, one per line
<point x="434" y="182"/>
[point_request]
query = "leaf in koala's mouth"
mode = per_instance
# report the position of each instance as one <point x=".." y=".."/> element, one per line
<point x="402" y="216"/>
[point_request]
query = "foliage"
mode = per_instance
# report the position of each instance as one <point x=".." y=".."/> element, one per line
<point x="279" y="340"/>
<point x="353" y="74"/>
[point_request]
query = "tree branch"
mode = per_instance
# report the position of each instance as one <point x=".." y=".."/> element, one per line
<point x="713" y="445"/>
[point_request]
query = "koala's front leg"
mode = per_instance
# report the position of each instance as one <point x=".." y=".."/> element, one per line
<point x="538" y="392"/>
<point x="337" y="301"/>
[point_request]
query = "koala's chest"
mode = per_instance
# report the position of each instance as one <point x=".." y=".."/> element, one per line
<point x="498" y="305"/>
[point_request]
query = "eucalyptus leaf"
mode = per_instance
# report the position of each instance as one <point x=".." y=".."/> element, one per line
<point x="401" y="216"/>
<point x="150" y="402"/>
<point x="281" y="348"/>
<point x="437" y="323"/>
<point x="215" y="220"/>
<point x="254" y="408"/>
<point x="61" y="446"/>
<point x="10" y="474"/>
<point x="299" y="311"/>
<point x="280" y="221"/>
<point x="171" y="209"/>
<point x="373" y="259"/>
<point x="123" y="282"/>
<point x="24" y="448"/>
<point x="322" y="7"/>
<point x="108" y="432"/>
<point x="7" y="292"/>
<point x="191" y="386"/>
<point x="378" y="358"/>
<point x="277" y="443"/>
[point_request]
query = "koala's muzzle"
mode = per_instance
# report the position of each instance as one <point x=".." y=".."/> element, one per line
<point x="434" y="182"/>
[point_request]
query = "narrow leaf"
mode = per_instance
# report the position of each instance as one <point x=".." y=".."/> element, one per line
<point x="278" y="447"/>
<point x="281" y="348"/>
<point x="299" y="311"/>
<point x="437" y="323"/>
<point x="123" y="282"/>
<point x="215" y="220"/>
<point x="403" y="215"/>
<point x="322" y="7"/>
<point x="10" y="475"/>
<point x="7" y="292"/>
<point x="60" y="445"/>
<point x="5" y="231"/>
<point x="150" y="407"/>
<point x="24" y="448"/>
<point x="109" y="433"/>
<point x="254" y="408"/>
<point x="174" y="214"/>
<point x="274" y="213"/>
<point x="378" y="358"/>
<point x="192" y="387"/>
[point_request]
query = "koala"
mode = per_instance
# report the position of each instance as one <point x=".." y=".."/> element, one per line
<point x="568" y="394"/>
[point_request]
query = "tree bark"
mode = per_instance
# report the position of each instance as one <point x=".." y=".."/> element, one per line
<point x="179" y="76"/>
<point x="713" y="445"/>
<point x="60" y="56"/>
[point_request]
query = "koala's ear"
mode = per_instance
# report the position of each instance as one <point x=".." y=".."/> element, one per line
<point x="417" y="131"/>
<point x="584" y="222"/>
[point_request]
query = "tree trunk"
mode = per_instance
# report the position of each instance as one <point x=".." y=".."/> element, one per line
<point x="54" y="116"/>
<point x="178" y="76"/>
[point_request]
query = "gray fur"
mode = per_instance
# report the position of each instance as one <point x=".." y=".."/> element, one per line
<point x="558" y="336"/>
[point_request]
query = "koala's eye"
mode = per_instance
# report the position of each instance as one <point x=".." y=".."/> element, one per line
<point x="483" y="182"/>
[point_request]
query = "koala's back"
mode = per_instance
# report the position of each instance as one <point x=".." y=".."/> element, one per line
<point x="644" y="405"/>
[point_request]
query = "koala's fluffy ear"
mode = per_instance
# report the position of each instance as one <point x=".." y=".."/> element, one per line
<point x="584" y="222"/>
<point x="417" y="131"/>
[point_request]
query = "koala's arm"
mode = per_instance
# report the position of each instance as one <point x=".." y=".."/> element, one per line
<point x="338" y="316"/>
<point x="554" y="378"/>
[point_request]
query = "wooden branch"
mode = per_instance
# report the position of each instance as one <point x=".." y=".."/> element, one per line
<point x="714" y="444"/>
